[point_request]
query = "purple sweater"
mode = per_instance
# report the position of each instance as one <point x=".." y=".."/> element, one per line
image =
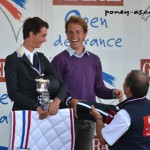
<point x="82" y="75"/>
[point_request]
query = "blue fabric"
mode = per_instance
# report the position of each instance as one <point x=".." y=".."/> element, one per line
<point x="23" y="128"/>
<point x="3" y="148"/>
<point x="133" y="139"/>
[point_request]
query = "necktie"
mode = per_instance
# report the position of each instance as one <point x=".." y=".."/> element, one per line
<point x="36" y="61"/>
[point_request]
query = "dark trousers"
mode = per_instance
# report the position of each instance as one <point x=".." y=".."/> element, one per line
<point x="84" y="134"/>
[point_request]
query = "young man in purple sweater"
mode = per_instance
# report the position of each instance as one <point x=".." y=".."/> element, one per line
<point x="82" y="71"/>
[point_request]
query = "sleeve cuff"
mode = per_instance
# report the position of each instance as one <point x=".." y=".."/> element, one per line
<point x="114" y="94"/>
<point x="68" y="100"/>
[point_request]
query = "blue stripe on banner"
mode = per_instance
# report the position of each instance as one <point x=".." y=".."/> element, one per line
<point x="21" y="3"/>
<point x="3" y="148"/>
<point x="23" y="128"/>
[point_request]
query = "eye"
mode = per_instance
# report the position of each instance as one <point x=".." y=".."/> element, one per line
<point x="78" y="31"/>
<point x="69" y="32"/>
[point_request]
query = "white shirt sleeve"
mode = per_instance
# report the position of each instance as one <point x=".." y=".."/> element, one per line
<point x="118" y="126"/>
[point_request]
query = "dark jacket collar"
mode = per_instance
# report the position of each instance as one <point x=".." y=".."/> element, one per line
<point x="130" y="100"/>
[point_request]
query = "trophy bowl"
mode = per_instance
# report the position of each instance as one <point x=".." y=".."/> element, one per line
<point x="42" y="85"/>
<point x="43" y="93"/>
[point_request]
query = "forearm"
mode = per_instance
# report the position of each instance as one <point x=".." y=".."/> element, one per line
<point x="62" y="92"/>
<point x="104" y="92"/>
<point x="99" y="126"/>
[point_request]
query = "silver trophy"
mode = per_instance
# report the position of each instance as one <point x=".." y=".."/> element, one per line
<point x="44" y="96"/>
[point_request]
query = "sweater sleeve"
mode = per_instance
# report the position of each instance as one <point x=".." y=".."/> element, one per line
<point x="59" y="65"/>
<point x="100" y="89"/>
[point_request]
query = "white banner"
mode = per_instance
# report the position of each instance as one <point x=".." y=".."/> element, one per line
<point x="118" y="34"/>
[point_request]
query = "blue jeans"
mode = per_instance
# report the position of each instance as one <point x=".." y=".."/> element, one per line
<point x="84" y="134"/>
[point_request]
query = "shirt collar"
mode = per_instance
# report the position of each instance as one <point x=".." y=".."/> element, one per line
<point x="73" y="52"/>
<point x="27" y="52"/>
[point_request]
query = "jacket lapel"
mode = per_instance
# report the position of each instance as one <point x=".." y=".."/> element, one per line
<point x="21" y="54"/>
<point x="26" y="60"/>
<point x="40" y="61"/>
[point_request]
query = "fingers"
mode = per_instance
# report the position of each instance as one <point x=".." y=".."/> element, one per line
<point x="95" y="113"/>
<point x="118" y="94"/>
<point x="92" y="110"/>
<point x="120" y="97"/>
<point x="75" y="112"/>
<point x="43" y="115"/>
<point x="53" y="111"/>
<point x="73" y="104"/>
<point x="53" y="108"/>
<point x="92" y="107"/>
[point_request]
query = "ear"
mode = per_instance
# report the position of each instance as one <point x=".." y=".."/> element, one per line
<point x="31" y="34"/>
<point x="128" y="90"/>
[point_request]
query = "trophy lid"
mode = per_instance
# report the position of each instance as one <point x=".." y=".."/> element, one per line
<point x="41" y="80"/>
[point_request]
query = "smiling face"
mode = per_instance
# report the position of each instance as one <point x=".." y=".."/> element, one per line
<point x="39" y="38"/>
<point x="75" y="36"/>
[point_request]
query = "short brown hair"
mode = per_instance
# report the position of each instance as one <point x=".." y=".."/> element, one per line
<point x="33" y="24"/>
<point x="77" y="20"/>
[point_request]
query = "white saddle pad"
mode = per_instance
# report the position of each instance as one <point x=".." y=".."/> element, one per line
<point x="53" y="133"/>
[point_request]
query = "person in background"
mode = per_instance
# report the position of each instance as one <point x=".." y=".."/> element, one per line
<point x="25" y="65"/>
<point x="82" y="71"/>
<point x="130" y="128"/>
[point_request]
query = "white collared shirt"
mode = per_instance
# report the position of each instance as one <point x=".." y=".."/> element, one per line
<point x="74" y="53"/>
<point x="28" y="54"/>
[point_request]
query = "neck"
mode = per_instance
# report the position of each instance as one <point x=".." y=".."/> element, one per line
<point x="79" y="51"/>
<point x="28" y="46"/>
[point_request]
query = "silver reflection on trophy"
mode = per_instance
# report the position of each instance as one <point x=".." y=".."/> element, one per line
<point x="44" y="96"/>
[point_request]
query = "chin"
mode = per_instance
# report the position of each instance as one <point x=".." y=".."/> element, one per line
<point x="38" y="46"/>
<point x="74" y="47"/>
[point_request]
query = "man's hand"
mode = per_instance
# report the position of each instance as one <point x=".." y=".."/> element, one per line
<point x="54" y="106"/>
<point x="95" y="113"/>
<point x="99" y="125"/>
<point x="118" y="94"/>
<point x="73" y="104"/>
<point x="42" y="113"/>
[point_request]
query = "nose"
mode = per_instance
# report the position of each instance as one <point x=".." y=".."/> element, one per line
<point x="44" y="40"/>
<point x="74" y="34"/>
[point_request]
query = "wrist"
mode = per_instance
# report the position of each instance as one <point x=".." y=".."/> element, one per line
<point x="98" y="118"/>
<point x="57" y="100"/>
